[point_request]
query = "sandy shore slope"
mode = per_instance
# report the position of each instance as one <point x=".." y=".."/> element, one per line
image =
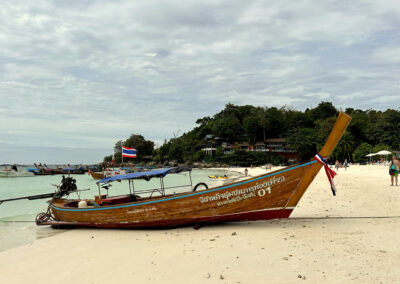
<point x="314" y="246"/>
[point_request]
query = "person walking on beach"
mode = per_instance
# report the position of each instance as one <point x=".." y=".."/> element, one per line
<point x="394" y="167"/>
<point x="345" y="164"/>
<point x="246" y="171"/>
<point x="337" y="165"/>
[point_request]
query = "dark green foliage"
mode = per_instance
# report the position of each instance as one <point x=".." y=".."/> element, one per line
<point x="244" y="159"/>
<point x="143" y="147"/>
<point x="304" y="131"/>
<point x="226" y="127"/>
<point x="323" y="111"/>
<point x="344" y="148"/>
<point x="108" y="159"/>
<point x="304" y="140"/>
<point x="361" y="152"/>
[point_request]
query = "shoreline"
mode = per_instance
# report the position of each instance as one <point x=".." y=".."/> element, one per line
<point x="349" y="237"/>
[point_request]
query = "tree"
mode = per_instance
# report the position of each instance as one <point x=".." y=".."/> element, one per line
<point x="323" y="129"/>
<point x="359" y="154"/>
<point x="144" y="148"/>
<point x="276" y="121"/>
<point x="304" y="141"/>
<point x="203" y="121"/>
<point x="251" y="127"/>
<point x="263" y="121"/>
<point x="322" y="111"/>
<point x="305" y="131"/>
<point x="175" y="152"/>
<point x="344" y="147"/>
<point x="226" y="127"/>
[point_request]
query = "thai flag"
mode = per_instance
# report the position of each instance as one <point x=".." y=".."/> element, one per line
<point x="128" y="152"/>
<point x="329" y="172"/>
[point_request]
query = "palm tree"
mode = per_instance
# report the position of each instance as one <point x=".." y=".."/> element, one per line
<point x="346" y="145"/>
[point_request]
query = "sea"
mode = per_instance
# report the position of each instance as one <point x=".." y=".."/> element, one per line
<point x="17" y="218"/>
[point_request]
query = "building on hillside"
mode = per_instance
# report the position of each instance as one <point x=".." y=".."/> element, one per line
<point x="244" y="146"/>
<point x="278" y="145"/>
<point x="210" y="151"/>
<point x="259" y="147"/>
<point x="228" y="148"/>
<point x="273" y="145"/>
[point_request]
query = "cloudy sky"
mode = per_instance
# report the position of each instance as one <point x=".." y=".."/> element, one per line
<point x="76" y="76"/>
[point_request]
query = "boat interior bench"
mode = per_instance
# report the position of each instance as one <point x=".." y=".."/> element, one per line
<point x="116" y="199"/>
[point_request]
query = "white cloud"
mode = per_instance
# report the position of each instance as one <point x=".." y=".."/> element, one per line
<point x="90" y="73"/>
<point x="386" y="55"/>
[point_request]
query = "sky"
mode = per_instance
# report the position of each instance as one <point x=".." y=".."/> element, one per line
<point x="77" y="76"/>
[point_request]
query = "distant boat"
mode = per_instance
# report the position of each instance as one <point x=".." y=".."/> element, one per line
<point x="58" y="171"/>
<point x="268" y="196"/>
<point x="107" y="173"/>
<point x="97" y="175"/>
<point x="218" y="177"/>
<point x="11" y="173"/>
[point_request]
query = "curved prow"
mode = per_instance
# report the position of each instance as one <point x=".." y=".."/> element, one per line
<point x="337" y="132"/>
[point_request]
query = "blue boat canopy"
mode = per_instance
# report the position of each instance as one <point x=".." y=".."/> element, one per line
<point x="146" y="175"/>
<point x="68" y="169"/>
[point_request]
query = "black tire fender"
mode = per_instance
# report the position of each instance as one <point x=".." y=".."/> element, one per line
<point x="199" y="184"/>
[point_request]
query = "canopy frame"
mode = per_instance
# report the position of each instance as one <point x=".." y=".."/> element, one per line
<point x="160" y="173"/>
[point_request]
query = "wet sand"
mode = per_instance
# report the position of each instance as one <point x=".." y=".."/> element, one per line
<point x="353" y="237"/>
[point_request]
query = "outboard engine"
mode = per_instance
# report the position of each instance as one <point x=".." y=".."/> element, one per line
<point x="67" y="186"/>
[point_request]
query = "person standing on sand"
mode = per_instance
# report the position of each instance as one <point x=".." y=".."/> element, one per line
<point x="394" y="167"/>
<point x="246" y="171"/>
<point x="337" y="165"/>
<point x="345" y="164"/>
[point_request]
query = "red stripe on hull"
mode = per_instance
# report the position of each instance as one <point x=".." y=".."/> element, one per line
<point x="248" y="216"/>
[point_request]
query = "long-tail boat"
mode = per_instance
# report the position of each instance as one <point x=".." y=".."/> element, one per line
<point x="96" y="175"/>
<point x="107" y="173"/>
<point x="268" y="196"/>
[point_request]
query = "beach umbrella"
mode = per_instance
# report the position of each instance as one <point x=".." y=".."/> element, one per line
<point x="383" y="152"/>
<point x="370" y="155"/>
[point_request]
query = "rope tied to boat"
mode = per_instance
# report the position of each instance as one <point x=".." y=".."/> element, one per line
<point x="43" y="217"/>
<point x="329" y="172"/>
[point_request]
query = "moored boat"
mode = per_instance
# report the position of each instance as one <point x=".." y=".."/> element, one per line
<point x="97" y="175"/>
<point x="10" y="173"/>
<point x="218" y="177"/>
<point x="268" y="196"/>
<point x="107" y="173"/>
<point x="58" y="171"/>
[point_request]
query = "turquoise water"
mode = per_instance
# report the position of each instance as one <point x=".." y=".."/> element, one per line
<point x="17" y="218"/>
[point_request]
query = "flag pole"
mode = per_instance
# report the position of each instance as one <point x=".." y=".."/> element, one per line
<point x="122" y="156"/>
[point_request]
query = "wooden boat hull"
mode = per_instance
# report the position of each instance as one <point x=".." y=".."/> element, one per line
<point x="58" y="172"/>
<point x="259" y="198"/>
<point x="269" y="196"/>
<point x="97" y="175"/>
<point x="266" y="214"/>
<point x="109" y="173"/>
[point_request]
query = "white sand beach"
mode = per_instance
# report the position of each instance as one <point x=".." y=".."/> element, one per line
<point x="353" y="237"/>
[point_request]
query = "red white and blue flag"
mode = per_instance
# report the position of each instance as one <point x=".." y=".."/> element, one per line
<point x="329" y="172"/>
<point x="128" y="152"/>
